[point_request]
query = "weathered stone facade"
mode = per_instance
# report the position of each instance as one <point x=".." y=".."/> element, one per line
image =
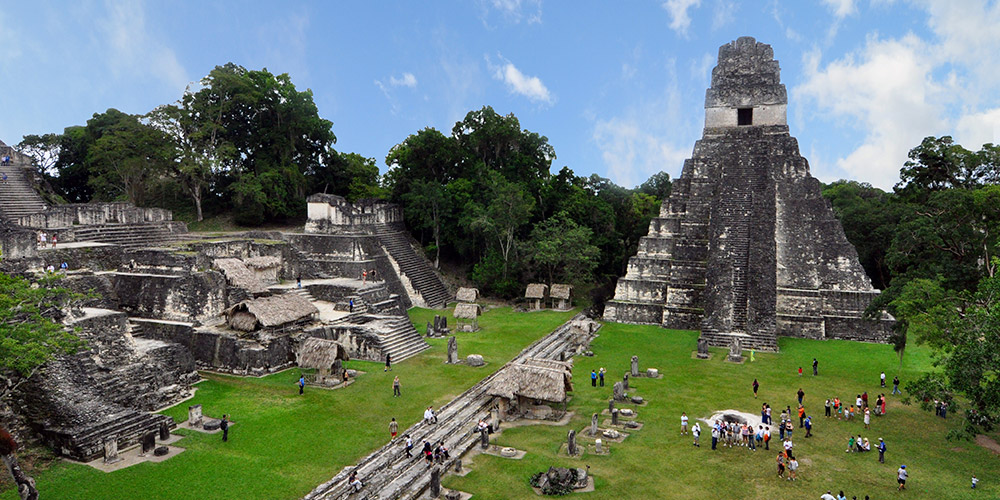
<point x="746" y="247"/>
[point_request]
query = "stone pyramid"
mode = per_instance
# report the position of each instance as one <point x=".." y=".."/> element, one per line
<point x="746" y="247"/>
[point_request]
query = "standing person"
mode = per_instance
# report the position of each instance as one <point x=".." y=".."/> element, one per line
<point x="793" y="465"/>
<point x="800" y="394"/>
<point x="715" y="436"/>
<point x="815" y="367"/>
<point x="395" y="387"/>
<point x="364" y="276"/>
<point x="302" y="384"/>
<point x="393" y="428"/>
<point x="696" y="432"/>
<point x="868" y="418"/>
<point x="350" y="305"/>
<point x="752" y="350"/>
<point x="54" y="236"/>
<point x="769" y="414"/>
<point x="298" y="281"/>
<point x="882" y="378"/>
<point x="781" y="465"/>
<point x="756" y="386"/>
<point x="388" y="363"/>
<point x="808" y="426"/>
<point x="800" y="371"/>
<point x="600" y="374"/>
<point x="409" y="446"/>
<point x="767" y="437"/>
<point x="826" y="406"/>
<point x="895" y="385"/>
<point x="881" y="451"/>
<point x="684" y="423"/>
<point x="428" y="453"/>
<point x="974" y="481"/>
<point x="882" y="407"/>
<point x="802" y="415"/>
<point x="864" y="399"/>
<point x="901" y="476"/>
<point x="224" y="425"/>
<point x="593" y="378"/>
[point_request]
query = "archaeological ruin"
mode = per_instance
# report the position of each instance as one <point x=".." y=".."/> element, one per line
<point x="746" y="247"/>
<point x="164" y="303"/>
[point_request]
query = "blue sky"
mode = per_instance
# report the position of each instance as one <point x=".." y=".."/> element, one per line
<point x="617" y="87"/>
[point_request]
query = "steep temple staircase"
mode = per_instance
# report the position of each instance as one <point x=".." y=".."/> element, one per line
<point x="17" y="196"/>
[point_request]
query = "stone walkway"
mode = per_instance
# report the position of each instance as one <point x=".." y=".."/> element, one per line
<point x="388" y="473"/>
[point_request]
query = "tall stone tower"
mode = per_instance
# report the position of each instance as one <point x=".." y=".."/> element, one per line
<point x="746" y="247"/>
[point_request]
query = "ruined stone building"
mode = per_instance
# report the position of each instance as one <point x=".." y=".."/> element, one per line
<point x="745" y="246"/>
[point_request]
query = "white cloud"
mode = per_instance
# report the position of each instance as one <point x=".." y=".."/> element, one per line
<point x="133" y="49"/>
<point x="725" y="14"/>
<point x="407" y="80"/>
<point x="643" y="140"/>
<point x="974" y="130"/>
<point x="679" y="18"/>
<point x="513" y="11"/>
<point x="888" y="91"/>
<point x="519" y="83"/>
<point x="841" y="8"/>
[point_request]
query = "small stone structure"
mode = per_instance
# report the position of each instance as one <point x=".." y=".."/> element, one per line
<point x="746" y="245"/>
<point x="194" y="416"/>
<point x="614" y="416"/>
<point x="562" y="296"/>
<point x="272" y="313"/>
<point x="703" y="348"/>
<point x="468" y="295"/>
<point x="519" y="385"/>
<point x="467" y="316"/>
<point x="560" y="481"/>
<point x="535" y="293"/>
<point x="593" y="425"/>
<point x="571" y="448"/>
<point x="618" y="391"/>
<point x="324" y="356"/>
<point x="452" y="351"/>
<point x="598" y="446"/>
<point x="439" y="327"/>
<point x="435" y="488"/>
<point x="111" y="450"/>
<point x="635" y="366"/>
<point x="475" y="360"/>
<point x="735" y="351"/>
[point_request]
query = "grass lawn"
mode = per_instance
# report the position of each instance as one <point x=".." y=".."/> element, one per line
<point x="282" y="445"/>
<point x="656" y="462"/>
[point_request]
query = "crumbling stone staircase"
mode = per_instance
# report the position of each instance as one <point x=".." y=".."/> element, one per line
<point x="416" y="268"/>
<point x="132" y="235"/>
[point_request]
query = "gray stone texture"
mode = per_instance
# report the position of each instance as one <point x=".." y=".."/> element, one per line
<point x="746" y="246"/>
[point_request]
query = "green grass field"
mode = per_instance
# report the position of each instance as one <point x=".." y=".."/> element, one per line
<point x="656" y="462"/>
<point x="283" y="444"/>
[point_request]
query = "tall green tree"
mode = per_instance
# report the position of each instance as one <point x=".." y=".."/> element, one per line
<point x="126" y="158"/>
<point x="562" y="248"/>
<point x="507" y="207"/>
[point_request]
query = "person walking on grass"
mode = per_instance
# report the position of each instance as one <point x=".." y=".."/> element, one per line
<point x="826" y="407"/>
<point x="715" y="436"/>
<point x="800" y="371"/>
<point x="302" y="384"/>
<point x="808" y="426"/>
<point x="756" y="386"/>
<point x="393" y="428"/>
<point x="696" y="432"/>
<point x="793" y="466"/>
<point x="901" y="476"/>
<point x="881" y="451"/>
<point x="802" y="414"/>
<point x="684" y="423"/>
<point x="395" y="387"/>
<point x="224" y="425"/>
<point x="895" y="385"/>
<point x="882" y="378"/>
<point x="600" y="375"/>
<point x="752" y="351"/>
<point x="868" y="418"/>
<point x="815" y="367"/>
<point x="388" y="363"/>
<point x="767" y="438"/>
<point x="781" y="465"/>
<point x="975" y="481"/>
<point x="800" y="394"/>
<point x="593" y="378"/>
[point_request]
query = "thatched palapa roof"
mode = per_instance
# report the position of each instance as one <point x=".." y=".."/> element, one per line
<point x="561" y="291"/>
<point x="271" y="311"/>
<point x="467" y="294"/>
<point x="238" y="275"/>
<point x="465" y="310"/>
<point x="262" y="262"/>
<point x="547" y="380"/>
<point x="319" y="353"/>
<point x="536" y="291"/>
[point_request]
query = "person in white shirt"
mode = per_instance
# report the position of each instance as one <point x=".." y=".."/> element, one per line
<point x="684" y="423"/>
<point x="901" y="475"/>
<point x="827" y="496"/>
<point x="696" y="430"/>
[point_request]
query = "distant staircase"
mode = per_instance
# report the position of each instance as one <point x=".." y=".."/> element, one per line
<point x="17" y="196"/>
<point x="416" y="268"/>
<point x="132" y="235"/>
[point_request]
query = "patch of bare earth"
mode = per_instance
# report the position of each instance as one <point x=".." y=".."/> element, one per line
<point x="988" y="443"/>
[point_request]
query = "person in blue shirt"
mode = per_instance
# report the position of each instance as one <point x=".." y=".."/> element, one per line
<point x="302" y="383"/>
<point x="593" y="378"/>
<point x="881" y="451"/>
<point x="808" y="426"/>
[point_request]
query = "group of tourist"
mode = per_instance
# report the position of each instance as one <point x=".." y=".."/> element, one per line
<point x="597" y="375"/>
<point x="366" y="275"/>
<point x="5" y="161"/>
<point x="43" y="238"/>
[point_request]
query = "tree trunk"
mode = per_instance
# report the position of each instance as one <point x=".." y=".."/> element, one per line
<point x="197" y="202"/>
<point x="25" y="483"/>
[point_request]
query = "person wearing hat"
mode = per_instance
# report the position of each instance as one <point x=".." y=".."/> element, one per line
<point x="901" y="477"/>
<point x="881" y="451"/>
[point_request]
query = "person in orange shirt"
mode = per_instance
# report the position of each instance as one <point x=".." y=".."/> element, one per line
<point x="802" y="414"/>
